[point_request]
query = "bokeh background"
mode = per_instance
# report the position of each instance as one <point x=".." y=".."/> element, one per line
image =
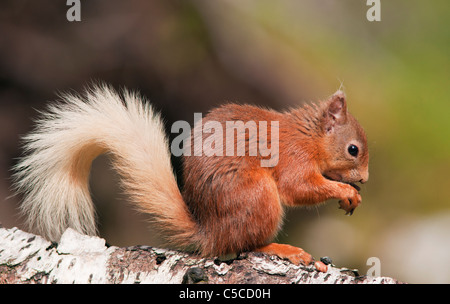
<point x="189" y="56"/>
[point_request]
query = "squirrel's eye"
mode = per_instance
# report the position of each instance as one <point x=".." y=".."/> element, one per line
<point x="353" y="150"/>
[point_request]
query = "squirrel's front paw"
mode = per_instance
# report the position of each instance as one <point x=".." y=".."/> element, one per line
<point x="350" y="202"/>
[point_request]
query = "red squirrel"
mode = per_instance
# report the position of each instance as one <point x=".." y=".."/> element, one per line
<point x="229" y="204"/>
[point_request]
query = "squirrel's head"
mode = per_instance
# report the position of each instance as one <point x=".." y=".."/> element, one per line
<point x="345" y="143"/>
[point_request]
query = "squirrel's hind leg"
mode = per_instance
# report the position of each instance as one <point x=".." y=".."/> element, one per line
<point x="294" y="254"/>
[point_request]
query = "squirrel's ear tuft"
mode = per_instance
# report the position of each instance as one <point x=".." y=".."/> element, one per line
<point x="336" y="111"/>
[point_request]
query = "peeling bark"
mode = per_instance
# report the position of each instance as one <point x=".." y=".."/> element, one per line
<point x="28" y="258"/>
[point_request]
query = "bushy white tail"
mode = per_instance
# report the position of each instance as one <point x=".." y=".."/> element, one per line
<point x="54" y="174"/>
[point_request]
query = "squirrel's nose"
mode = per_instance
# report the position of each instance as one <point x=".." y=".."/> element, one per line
<point x="364" y="177"/>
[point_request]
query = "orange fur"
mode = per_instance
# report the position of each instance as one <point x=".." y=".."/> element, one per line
<point x="238" y="204"/>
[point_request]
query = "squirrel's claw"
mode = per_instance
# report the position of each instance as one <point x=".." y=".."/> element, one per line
<point x="349" y="205"/>
<point x="349" y="212"/>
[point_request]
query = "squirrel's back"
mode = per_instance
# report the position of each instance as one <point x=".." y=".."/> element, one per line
<point x="232" y="197"/>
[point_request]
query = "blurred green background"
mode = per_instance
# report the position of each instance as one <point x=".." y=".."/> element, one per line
<point x="189" y="56"/>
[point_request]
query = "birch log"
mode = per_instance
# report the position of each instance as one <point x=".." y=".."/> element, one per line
<point x="28" y="258"/>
